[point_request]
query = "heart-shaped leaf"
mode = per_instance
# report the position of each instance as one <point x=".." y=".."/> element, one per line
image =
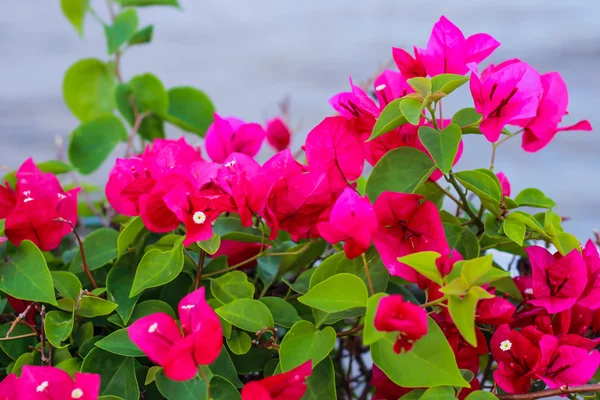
<point x="305" y="342"/>
<point x="442" y="146"/>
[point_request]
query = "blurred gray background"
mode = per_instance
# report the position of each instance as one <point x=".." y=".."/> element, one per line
<point x="247" y="55"/>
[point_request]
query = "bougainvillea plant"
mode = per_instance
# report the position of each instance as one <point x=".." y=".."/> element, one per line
<point x="199" y="272"/>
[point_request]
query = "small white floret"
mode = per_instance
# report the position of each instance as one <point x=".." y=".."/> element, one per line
<point x="42" y="386"/>
<point x="77" y="393"/>
<point x="199" y="217"/>
<point x="153" y="327"/>
<point x="505" y="345"/>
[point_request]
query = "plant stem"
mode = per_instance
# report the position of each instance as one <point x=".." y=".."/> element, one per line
<point x="19" y="318"/>
<point x="552" y="392"/>
<point x="19" y="336"/>
<point x="434" y="302"/>
<point x="134" y="130"/>
<point x="83" y="259"/>
<point x="450" y="195"/>
<point x="352" y="331"/>
<point x="452" y="180"/>
<point x="45" y="360"/>
<point x="200" y="269"/>
<point x="433" y="118"/>
<point x="366" y="264"/>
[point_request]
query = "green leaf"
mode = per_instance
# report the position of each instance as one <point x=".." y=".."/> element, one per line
<point x="71" y="365"/>
<point x="24" y="359"/>
<point x="430" y="363"/>
<point x="302" y="283"/>
<point x="151" y="375"/>
<point x="118" y="284"/>
<point x="75" y="11"/>
<point x="222" y="389"/>
<point x="370" y="333"/>
<point x="565" y="242"/>
<point x="239" y="343"/>
<point x="320" y="385"/>
<point x="467" y="119"/>
<point x="211" y="245"/>
<point x="67" y="284"/>
<point x="462" y="311"/>
<point x="193" y="389"/>
<point x="447" y="83"/>
<point x="142" y="36"/>
<point x="305" y="342"/>
<point x="390" y="118"/>
<point x="338" y="293"/>
<point x="232" y="286"/>
<point x="26" y="275"/>
<point x="438" y="393"/>
<point x="117" y="373"/>
<point x="91" y="307"/>
<point x="412" y="110"/>
<point x="89" y="89"/>
<point x="472" y="271"/>
<point x="149" y="94"/>
<point x="284" y="314"/>
<point x="119" y="343"/>
<point x="486" y="187"/>
<point x="122" y="29"/>
<point x="420" y="85"/>
<point x="515" y="230"/>
<point x="190" y="109"/>
<point x="128" y="234"/>
<point x="247" y="314"/>
<point x="424" y="263"/>
<point x="528" y="220"/>
<point x="463" y="240"/>
<point x="305" y="256"/>
<point x="400" y="170"/>
<point x="534" y="198"/>
<point x="58" y="326"/>
<point x="15" y="347"/>
<point x="442" y="146"/>
<point x="507" y="285"/>
<point x="93" y="141"/>
<point x="338" y="263"/>
<point x="143" y="3"/>
<point x="481" y="395"/>
<point x="223" y="366"/>
<point x="100" y="248"/>
<point x="158" y="268"/>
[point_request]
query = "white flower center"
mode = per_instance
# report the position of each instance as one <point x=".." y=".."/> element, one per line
<point x="230" y="164"/>
<point x="42" y="387"/>
<point x="380" y="87"/>
<point x="188" y="307"/>
<point x="77" y="393"/>
<point x="61" y="196"/>
<point x="199" y="217"/>
<point x="153" y="327"/>
<point x="505" y="345"/>
<point x="528" y="291"/>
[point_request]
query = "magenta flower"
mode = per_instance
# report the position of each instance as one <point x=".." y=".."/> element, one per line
<point x="155" y="213"/>
<point x="278" y="134"/>
<point x="407" y="224"/>
<point x="517" y="355"/>
<point x="565" y="364"/>
<point x="448" y="52"/>
<point x="557" y="281"/>
<point x="396" y="315"/>
<point x="409" y="66"/>
<point x="353" y="221"/>
<point x="289" y="385"/>
<point x="159" y="336"/>
<point x="590" y="297"/>
<point x="232" y="135"/>
<point x="542" y="128"/>
<point x="31" y="209"/>
<point x="495" y="311"/>
<point x="333" y="148"/>
<point x="197" y="211"/>
<point x="241" y="177"/>
<point x="505" y="93"/>
<point x="390" y="85"/>
<point x="355" y="104"/>
<point x="504" y="184"/>
<point x="9" y="387"/>
<point x="49" y="383"/>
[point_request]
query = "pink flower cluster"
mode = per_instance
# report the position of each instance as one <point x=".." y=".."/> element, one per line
<point x="49" y="383"/>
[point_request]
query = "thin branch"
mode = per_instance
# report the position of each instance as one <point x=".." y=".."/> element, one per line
<point x="19" y="318"/>
<point x="552" y="392"/>
<point x="450" y="195"/>
<point x="19" y="336"/>
<point x="366" y="264"/>
<point x="200" y="269"/>
<point x="81" y="251"/>
<point x="352" y="331"/>
<point x="452" y="180"/>
<point x="45" y="359"/>
<point x="134" y="130"/>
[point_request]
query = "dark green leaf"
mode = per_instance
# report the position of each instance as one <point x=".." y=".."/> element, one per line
<point x="211" y="245"/>
<point x="88" y="89"/>
<point x="223" y="366"/>
<point x="119" y="343"/>
<point x="301" y="284"/>
<point x="67" y="284"/>
<point x="232" y="286"/>
<point x="284" y="313"/>
<point x="222" y="389"/>
<point x="122" y="29"/>
<point x="100" y="248"/>
<point x="15" y="347"/>
<point x="320" y="385"/>
<point x="157" y="268"/>
<point x="117" y="374"/>
<point x="399" y="170"/>
<point x="190" y="109"/>
<point x="305" y="342"/>
<point x="193" y="389"/>
<point x="118" y="284"/>
<point x="26" y="275"/>
<point x="149" y="94"/>
<point x="142" y="36"/>
<point x="247" y="314"/>
<point x="128" y="234"/>
<point x="463" y="240"/>
<point x="58" y="326"/>
<point x="486" y="187"/>
<point x="370" y="333"/>
<point x="93" y="141"/>
<point x="442" y="146"/>
<point x="240" y="342"/>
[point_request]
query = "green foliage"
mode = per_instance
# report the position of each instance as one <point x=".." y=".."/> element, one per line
<point x="88" y="89"/>
<point x="247" y="314"/>
<point x="74" y="11"/>
<point x="442" y="146"/>
<point x="305" y="342"/>
<point x="122" y="30"/>
<point x="391" y="117"/>
<point x="412" y="110"/>
<point x="158" y="268"/>
<point x="338" y="293"/>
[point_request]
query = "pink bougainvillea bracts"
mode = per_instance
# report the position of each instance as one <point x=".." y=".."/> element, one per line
<point x="396" y="315"/>
<point x="290" y="385"/>
<point x="159" y="336"/>
<point x="49" y="383"/>
<point x="232" y="135"/>
<point x="278" y="134"/>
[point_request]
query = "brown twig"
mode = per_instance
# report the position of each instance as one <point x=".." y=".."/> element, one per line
<point x="19" y="336"/>
<point x="139" y="117"/>
<point x="551" y="392"/>
<point x="19" y="318"/>
<point x="45" y="360"/>
<point x="200" y="269"/>
<point x="81" y="251"/>
<point x="366" y="265"/>
<point x="352" y="331"/>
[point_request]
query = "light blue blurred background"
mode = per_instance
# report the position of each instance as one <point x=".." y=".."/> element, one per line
<point x="247" y="55"/>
